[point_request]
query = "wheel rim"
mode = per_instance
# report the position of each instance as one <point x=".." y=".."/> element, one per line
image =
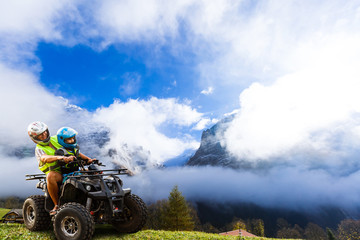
<point x="30" y="214"/>
<point x="70" y="226"/>
<point x="127" y="214"/>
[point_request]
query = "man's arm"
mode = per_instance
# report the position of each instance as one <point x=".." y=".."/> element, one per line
<point x="43" y="157"/>
<point x="48" y="158"/>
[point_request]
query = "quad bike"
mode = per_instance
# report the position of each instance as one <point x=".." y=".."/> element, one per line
<point x="87" y="197"/>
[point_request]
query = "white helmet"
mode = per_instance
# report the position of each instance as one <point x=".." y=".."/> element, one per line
<point x="37" y="128"/>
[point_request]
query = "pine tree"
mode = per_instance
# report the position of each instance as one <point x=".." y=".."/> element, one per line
<point x="156" y="215"/>
<point x="256" y="227"/>
<point x="330" y="234"/>
<point x="177" y="216"/>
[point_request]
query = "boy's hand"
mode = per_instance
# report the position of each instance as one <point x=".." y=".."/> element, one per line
<point x="90" y="160"/>
<point x="69" y="159"/>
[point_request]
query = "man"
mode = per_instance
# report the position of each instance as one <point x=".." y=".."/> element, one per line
<point x="48" y="163"/>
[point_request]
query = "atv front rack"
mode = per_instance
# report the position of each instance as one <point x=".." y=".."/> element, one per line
<point x="88" y="173"/>
<point x="35" y="176"/>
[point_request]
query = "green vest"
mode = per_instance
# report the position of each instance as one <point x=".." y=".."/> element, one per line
<point x="53" y="166"/>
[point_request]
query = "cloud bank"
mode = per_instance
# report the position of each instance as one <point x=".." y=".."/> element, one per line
<point x="283" y="187"/>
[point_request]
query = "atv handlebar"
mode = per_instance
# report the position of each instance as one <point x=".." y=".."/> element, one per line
<point x="96" y="161"/>
<point x="82" y="162"/>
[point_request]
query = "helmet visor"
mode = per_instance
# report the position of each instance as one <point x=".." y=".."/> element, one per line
<point x="71" y="140"/>
<point x="42" y="136"/>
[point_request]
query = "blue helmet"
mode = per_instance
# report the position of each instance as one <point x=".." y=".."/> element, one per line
<point x="64" y="133"/>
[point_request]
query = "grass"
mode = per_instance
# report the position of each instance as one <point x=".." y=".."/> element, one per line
<point x="18" y="231"/>
<point x="3" y="211"/>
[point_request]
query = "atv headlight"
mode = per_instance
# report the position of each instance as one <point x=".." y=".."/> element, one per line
<point x="88" y="187"/>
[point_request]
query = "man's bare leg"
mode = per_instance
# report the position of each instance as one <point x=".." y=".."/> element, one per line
<point x="52" y="179"/>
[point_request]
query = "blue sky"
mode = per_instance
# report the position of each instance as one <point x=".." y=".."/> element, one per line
<point x="92" y="79"/>
<point x="155" y="74"/>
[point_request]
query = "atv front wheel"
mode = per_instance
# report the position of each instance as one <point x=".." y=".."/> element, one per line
<point x="73" y="222"/>
<point x="134" y="215"/>
<point x="35" y="216"/>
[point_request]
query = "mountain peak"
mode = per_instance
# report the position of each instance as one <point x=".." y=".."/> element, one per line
<point x="211" y="151"/>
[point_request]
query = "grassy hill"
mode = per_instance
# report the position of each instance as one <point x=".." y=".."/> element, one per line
<point x="18" y="231"/>
<point x="3" y="211"/>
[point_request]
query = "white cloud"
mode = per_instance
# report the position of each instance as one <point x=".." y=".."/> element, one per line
<point x="22" y="101"/>
<point x="131" y="84"/>
<point x="205" y="122"/>
<point x="15" y="184"/>
<point x="127" y="21"/>
<point x="309" y="108"/>
<point x="24" y="23"/>
<point x="262" y="40"/>
<point x="30" y="18"/>
<point x="208" y="91"/>
<point x="139" y="123"/>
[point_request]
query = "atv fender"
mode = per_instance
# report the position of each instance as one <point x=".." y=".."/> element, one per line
<point x="74" y="183"/>
<point x="127" y="191"/>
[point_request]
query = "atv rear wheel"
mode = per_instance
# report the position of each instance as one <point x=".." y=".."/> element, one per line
<point x="134" y="215"/>
<point x="73" y="222"/>
<point x="35" y="216"/>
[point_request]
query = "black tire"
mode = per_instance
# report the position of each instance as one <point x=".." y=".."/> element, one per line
<point x="134" y="215"/>
<point x="73" y="222"/>
<point x="35" y="216"/>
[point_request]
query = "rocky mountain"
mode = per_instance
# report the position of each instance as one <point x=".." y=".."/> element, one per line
<point x="211" y="152"/>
